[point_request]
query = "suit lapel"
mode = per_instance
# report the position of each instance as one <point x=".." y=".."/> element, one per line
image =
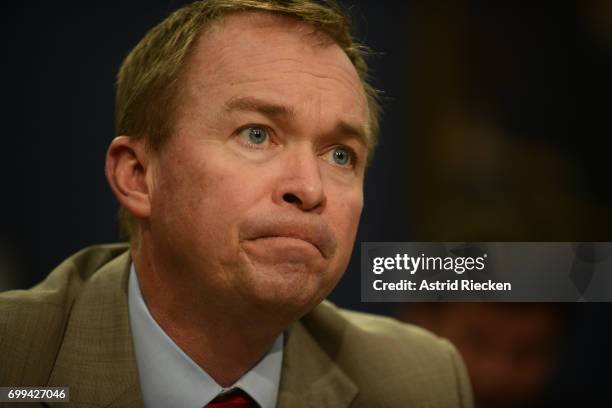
<point x="309" y="377"/>
<point x="96" y="358"/>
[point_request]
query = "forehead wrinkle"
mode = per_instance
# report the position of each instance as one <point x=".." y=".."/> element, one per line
<point x="327" y="78"/>
<point x="253" y="104"/>
<point x="324" y="85"/>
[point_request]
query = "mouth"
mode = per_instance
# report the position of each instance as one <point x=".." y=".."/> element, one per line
<point x="290" y="235"/>
<point x="287" y="241"/>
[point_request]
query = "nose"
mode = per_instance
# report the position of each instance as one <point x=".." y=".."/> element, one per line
<point x="300" y="183"/>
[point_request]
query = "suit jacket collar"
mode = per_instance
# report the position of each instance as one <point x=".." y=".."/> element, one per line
<point x="97" y="358"/>
<point x="310" y="377"/>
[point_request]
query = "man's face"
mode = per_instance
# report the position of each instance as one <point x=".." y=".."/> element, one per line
<point x="258" y="193"/>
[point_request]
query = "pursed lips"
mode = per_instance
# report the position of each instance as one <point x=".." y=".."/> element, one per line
<point x="290" y="237"/>
<point x="316" y="234"/>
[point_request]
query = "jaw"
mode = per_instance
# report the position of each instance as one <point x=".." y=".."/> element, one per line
<point x="285" y="287"/>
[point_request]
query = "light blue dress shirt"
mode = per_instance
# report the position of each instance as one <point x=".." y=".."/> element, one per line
<point x="169" y="378"/>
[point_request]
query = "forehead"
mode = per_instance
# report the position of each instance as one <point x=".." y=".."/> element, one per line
<point x="258" y="49"/>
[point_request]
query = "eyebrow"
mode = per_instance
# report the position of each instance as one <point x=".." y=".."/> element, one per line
<point x="252" y="104"/>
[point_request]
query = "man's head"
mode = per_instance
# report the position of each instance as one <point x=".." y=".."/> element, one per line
<point x="247" y="181"/>
<point x="150" y="78"/>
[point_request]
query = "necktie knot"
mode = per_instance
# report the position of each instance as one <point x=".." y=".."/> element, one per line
<point x="235" y="398"/>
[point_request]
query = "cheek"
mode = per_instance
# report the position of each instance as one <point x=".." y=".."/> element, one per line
<point x="345" y="218"/>
<point x="213" y="196"/>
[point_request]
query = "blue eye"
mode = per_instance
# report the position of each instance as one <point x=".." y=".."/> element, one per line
<point x="342" y="156"/>
<point x="255" y="135"/>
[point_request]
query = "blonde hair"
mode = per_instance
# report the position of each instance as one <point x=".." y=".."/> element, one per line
<point x="148" y="80"/>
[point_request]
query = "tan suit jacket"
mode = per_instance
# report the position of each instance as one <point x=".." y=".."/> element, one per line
<point x="73" y="330"/>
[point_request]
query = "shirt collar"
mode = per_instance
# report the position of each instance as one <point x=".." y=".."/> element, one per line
<point x="169" y="377"/>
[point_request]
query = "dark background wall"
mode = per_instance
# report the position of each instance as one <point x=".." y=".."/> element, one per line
<point x="495" y="128"/>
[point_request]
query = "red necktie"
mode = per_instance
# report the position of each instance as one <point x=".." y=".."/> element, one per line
<point x="233" y="399"/>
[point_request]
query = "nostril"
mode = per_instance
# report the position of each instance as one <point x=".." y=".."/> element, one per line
<point x="291" y="198"/>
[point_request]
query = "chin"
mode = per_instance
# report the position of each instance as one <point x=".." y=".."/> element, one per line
<point x="289" y="288"/>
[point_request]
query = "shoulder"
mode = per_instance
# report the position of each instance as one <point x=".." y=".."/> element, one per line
<point x="411" y="364"/>
<point x="386" y="336"/>
<point x="60" y="287"/>
<point x="32" y="321"/>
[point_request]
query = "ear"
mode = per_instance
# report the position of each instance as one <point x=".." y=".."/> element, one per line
<point x="126" y="171"/>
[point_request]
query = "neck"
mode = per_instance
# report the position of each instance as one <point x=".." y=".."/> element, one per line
<point x="224" y="337"/>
